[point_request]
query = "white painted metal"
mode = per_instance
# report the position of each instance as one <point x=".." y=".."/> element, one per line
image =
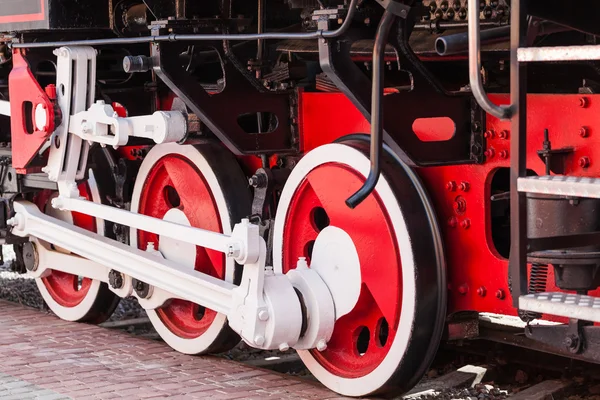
<point x="561" y="186"/>
<point x="345" y="155"/>
<point x="192" y="285"/>
<point x="40" y="117"/>
<point x="5" y="107"/>
<point x="49" y="260"/>
<point x="75" y="83"/>
<point x="335" y="258"/>
<point x="234" y="245"/>
<point x="558" y="53"/>
<point x="568" y="305"/>
<point x="245" y="306"/>
<point x="100" y="123"/>
<point x="316" y="297"/>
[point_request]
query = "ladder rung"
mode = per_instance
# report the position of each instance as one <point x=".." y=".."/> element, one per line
<point x="568" y="305"/>
<point x="559" y="53"/>
<point x="573" y="186"/>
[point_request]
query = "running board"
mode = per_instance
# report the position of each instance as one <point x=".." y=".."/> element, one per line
<point x="558" y="53"/>
<point x="571" y="186"/>
<point x="575" y="306"/>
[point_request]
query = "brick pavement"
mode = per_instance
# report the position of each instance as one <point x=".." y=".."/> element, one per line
<point x="46" y="358"/>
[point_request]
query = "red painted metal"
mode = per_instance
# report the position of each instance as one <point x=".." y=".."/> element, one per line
<point x="66" y="289"/>
<point x="174" y="182"/>
<point x="359" y="343"/>
<point x="25" y="95"/>
<point x="464" y="211"/>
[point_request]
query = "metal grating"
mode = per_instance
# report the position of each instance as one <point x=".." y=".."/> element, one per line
<point x="572" y="186"/>
<point x="568" y="305"/>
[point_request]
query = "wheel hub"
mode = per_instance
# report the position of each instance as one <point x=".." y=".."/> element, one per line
<point x="335" y="258"/>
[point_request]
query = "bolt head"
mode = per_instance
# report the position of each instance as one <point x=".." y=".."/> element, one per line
<point x="503" y="134"/>
<point x="259" y="340"/>
<point x="489" y="153"/>
<point x="500" y="294"/>
<point x="466" y="224"/>
<point x="284" y="347"/>
<point x="583" y="102"/>
<point x="321" y="345"/>
<point x="463" y="289"/>
<point x="263" y="315"/>
<point x="503" y="154"/>
<point x="584" y="132"/>
<point x="452" y="222"/>
<point x="464" y="186"/>
<point x="481" y="291"/>
<point x="451" y="186"/>
<point x="489" y="134"/>
<point x="584" y="162"/>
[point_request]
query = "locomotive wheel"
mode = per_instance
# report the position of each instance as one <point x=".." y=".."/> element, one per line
<point x="204" y="187"/>
<point x="388" y="340"/>
<point x="69" y="296"/>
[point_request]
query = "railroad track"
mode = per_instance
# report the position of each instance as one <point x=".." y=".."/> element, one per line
<point x="470" y="370"/>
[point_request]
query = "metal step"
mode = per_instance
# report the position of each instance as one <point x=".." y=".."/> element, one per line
<point x="558" y="53"/>
<point x="568" y="305"/>
<point x="573" y="186"/>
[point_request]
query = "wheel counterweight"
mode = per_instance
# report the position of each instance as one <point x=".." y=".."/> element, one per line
<point x="373" y="347"/>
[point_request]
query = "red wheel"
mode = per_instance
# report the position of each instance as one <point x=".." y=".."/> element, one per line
<point x="401" y="269"/>
<point x="69" y="296"/>
<point x="202" y="187"/>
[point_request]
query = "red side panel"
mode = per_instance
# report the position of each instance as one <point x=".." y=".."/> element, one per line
<point x="25" y="95"/>
<point x="477" y="273"/>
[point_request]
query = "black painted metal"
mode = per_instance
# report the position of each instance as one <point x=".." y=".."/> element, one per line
<point x="577" y="337"/>
<point x="400" y="110"/>
<point x="220" y="111"/>
<point x="563" y="13"/>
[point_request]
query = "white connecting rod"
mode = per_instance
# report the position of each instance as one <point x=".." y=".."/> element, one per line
<point x="229" y="245"/>
<point x="182" y="282"/>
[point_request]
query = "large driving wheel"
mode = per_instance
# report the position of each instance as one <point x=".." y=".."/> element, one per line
<point x="204" y="187"/>
<point x="389" y="338"/>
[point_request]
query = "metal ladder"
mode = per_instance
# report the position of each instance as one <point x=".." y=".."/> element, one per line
<point x="561" y="304"/>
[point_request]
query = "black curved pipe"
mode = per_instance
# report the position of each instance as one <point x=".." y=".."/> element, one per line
<point x="367" y="188"/>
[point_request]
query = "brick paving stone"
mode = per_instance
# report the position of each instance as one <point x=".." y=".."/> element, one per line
<point x="49" y="359"/>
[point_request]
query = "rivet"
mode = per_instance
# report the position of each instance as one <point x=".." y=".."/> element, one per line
<point x="452" y="222"/>
<point x="466" y="223"/>
<point x="463" y="289"/>
<point x="503" y="134"/>
<point x="584" y="162"/>
<point x="584" y="132"/>
<point x="489" y="153"/>
<point x="464" y="186"/>
<point x="489" y="134"/>
<point x="451" y="186"/>
<point x="583" y="102"/>
<point x="500" y="294"/>
<point x="481" y="291"/>
<point x="503" y="154"/>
